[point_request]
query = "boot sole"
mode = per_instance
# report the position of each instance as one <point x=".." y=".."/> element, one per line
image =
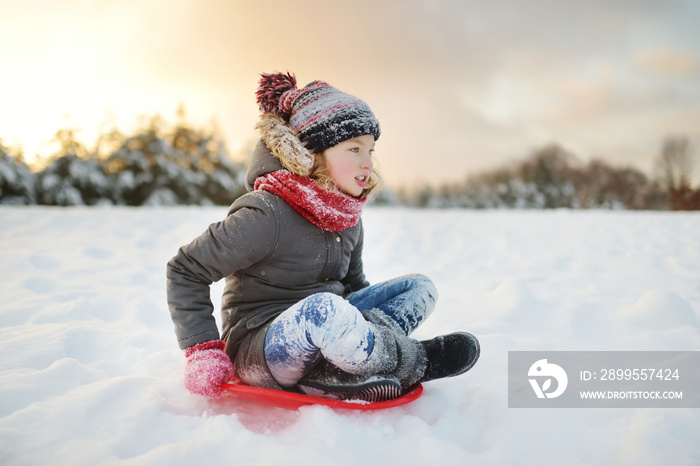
<point x="382" y="389"/>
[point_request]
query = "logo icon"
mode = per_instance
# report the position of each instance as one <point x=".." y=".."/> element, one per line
<point x="547" y="371"/>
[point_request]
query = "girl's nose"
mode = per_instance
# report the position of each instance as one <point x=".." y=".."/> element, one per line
<point x="366" y="161"/>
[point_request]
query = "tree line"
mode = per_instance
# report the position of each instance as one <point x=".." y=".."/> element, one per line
<point x="157" y="165"/>
<point x="553" y="178"/>
<point x="182" y="165"/>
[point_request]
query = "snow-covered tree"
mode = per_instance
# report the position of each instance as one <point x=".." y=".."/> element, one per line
<point x="184" y="166"/>
<point x="16" y="179"/>
<point x="549" y="178"/>
<point x="549" y="170"/>
<point x="73" y="176"/>
<point x="71" y="180"/>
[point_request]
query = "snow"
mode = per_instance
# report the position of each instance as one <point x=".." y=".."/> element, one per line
<point x="91" y="373"/>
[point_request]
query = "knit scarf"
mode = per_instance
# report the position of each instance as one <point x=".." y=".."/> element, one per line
<point x="330" y="211"/>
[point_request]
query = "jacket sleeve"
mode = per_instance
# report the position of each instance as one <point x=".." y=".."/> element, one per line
<point x="243" y="238"/>
<point x="355" y="278"/>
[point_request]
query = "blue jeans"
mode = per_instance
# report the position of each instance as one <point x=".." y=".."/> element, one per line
<point x="328" y="326"/>
<point x="408" y="300"/>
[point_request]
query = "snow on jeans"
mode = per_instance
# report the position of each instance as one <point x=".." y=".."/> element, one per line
<point x="328" y="326"/>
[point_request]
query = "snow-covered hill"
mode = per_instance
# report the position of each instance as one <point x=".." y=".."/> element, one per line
<point x="91" y="373"/>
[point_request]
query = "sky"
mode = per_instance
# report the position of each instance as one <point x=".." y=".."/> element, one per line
<point x="459" y="86"/>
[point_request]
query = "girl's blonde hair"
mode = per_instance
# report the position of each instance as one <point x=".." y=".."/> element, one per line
<point x="320" y="173"/>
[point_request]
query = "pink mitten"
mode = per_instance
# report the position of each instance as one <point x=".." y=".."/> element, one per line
<point x="207" y="368"/>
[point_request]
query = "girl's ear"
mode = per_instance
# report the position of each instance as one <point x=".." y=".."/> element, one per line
<point x="319" y="159"/>
<point x="319" y="168"/>
<point x="320" y="173"/>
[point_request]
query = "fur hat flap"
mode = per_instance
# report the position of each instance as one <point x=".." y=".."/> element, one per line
<point x="284" y="144"/>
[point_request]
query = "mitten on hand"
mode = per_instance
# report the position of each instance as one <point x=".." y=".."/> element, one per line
<point x="207" y="368"/>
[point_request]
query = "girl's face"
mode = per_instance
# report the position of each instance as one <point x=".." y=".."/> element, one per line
<point x="350" y="164"/>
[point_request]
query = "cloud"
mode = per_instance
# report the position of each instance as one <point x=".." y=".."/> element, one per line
<point x="668" y="62"/>
<point x="684" y="122"/>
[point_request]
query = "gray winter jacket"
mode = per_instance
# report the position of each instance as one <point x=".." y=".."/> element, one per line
<point x="271" y="257"/>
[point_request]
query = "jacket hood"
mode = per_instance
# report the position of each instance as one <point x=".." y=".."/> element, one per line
<point x="262" y="162"/>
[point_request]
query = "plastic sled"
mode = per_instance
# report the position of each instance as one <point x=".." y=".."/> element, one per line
<point x="291" y="400"/>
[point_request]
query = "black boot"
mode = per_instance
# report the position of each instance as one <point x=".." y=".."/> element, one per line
<point x="450" y="355"/>
<point x="327" y="381"/>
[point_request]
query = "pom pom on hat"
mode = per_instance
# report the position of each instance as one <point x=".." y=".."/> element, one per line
<point x="270" y="91"/>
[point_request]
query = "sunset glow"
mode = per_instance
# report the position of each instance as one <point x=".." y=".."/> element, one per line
<point x="457" y="86"/>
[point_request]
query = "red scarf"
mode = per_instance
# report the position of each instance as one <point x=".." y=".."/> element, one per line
<point x="330" y="211"/>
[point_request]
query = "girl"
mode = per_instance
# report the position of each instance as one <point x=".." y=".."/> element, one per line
<point x="297" y="312"/>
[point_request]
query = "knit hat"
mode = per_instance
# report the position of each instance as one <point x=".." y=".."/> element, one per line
<point x="314" y="118"/>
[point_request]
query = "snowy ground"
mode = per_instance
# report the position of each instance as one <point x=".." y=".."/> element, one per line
<point x="91" y="374"/>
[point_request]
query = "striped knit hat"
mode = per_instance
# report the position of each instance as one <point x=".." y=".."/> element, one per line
<point x="321" y="115"/>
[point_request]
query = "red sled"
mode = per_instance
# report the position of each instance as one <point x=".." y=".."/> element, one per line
<point x="290" y="400"/>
